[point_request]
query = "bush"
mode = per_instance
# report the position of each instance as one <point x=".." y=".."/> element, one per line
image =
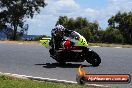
<point x="112" y="36"/>
<point x="37" y="38"/>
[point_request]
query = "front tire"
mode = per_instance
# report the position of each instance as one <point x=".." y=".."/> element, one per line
<point x="93" y="58"/>
<point x="61" y="62"/>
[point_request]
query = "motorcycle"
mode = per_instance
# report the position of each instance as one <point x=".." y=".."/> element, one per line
<point x="74" y="48"/>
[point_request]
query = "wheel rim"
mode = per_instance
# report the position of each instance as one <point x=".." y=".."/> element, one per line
<point x="95" y="60"/>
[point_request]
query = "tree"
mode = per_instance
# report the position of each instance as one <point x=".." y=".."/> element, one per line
<point x="37" y="38"/>
<point x="94" y="26"/>
<point x="123" y="22"/>
<point x="14" y="12"/>
<point x="100" y="34"/>
<point x="81" y="22"/>
<point x="81" y="25"/>
<point x="112" y="35"/>
<point x="63" y="20"/>
<point x="71" y="24"/>
<point x="85" y="32"/>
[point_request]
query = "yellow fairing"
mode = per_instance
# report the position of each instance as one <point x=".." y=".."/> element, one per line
<point x="82" y="41"/>
<point x="45" y="43"/>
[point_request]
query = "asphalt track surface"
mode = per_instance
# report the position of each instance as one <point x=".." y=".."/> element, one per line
<point x="34" y="60"/>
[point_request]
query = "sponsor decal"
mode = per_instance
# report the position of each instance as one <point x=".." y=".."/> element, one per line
<point x="82" y="77"/>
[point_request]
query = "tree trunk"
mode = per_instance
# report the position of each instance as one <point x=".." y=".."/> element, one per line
<point x="130" y="39"/>
<point x="15" y="32"/>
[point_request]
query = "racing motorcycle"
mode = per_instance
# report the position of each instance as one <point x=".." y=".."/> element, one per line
<point x="74" y="48"/>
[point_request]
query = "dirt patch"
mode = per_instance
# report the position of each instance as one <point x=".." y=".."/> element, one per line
<point x="20" y="42"/>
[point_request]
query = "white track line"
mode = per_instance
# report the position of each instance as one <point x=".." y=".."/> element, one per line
<point x="46" y="79"/>
<point x="20" y="43"/>
<point x="108" y="47"/>
<point x="117" y="47"/>
<point x="94" y="46"/>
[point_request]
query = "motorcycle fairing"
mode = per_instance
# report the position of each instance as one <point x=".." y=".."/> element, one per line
<point x="78" y="39"/>
<point x="45" y="42"/>
<point x="82" y="41"/>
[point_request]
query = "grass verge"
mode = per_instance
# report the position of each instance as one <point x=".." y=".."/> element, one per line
<point x="20" y="42"/>
<point x="110" y="45"/>
<point x="12" y="82"/>
<point x="90" y="44"/>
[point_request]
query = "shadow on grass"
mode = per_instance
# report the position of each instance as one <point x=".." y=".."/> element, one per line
<point x="66" y="65"/>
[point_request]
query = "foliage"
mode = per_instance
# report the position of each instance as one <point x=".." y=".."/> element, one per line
<point x="14" y="12"/>
<point x="40" y="37"/>
<point x="85" y="32"/>
<point x="112" y="35"/>
<point x="123" y="22"/>
<point x="63" y="20"/>
<point x="81" y="25"/>
<point x="118" y="31"/>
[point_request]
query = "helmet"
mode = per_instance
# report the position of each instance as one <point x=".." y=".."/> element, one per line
<point x="59" y="28"/>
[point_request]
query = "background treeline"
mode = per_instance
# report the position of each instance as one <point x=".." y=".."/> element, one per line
<point x="118" y="31"/>
<point x="13" y="15"/>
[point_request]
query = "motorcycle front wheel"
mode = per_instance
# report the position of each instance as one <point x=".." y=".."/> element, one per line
<point x="93" y="58"/>
<point x="61" y="62"/>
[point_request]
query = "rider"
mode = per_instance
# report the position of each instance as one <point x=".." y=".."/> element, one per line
<point x="57" y="36"/>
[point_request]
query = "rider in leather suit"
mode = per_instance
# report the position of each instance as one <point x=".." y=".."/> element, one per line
<point x="57" y="36"/>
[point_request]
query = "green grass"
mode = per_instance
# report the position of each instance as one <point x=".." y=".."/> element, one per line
<point x="11" y="82"/>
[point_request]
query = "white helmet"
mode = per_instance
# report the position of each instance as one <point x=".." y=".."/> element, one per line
<point x="59" y="28"/>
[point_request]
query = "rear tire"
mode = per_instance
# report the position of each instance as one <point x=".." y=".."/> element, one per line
<point x="93" y="58"/>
